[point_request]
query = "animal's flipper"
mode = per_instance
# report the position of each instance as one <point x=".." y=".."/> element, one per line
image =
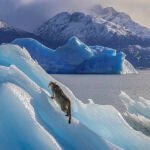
<point x="69" y="121"/>
<point x="69" y="114"/>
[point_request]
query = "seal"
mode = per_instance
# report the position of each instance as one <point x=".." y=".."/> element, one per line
<point x="62" y="100"/>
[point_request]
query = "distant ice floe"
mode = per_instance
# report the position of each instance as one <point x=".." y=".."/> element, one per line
<point x="76" y="57"/>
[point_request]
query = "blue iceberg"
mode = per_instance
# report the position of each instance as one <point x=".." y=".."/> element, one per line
<point x="76" y="57"/>
<point x="30" y="119"/>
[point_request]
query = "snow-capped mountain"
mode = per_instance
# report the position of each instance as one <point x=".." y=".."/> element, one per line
<point x="89" y="29"/>
<point x="9" y="33"/>
<point x="120" y="18"/>
<point x="99" y="26"/>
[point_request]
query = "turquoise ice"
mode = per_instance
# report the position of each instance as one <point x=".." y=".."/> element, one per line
<point x="31" y="120"/>
<point x="76" y="57"/>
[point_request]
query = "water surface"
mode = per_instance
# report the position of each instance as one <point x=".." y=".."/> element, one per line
<point x="104" y="89"/>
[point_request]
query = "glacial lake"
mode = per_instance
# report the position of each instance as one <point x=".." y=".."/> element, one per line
<point x="105" y="89"/>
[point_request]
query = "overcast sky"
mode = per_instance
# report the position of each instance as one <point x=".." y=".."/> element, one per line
<point x="29" y="14"/>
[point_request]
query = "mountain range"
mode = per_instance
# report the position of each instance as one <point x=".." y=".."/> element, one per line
<point x="100" y="26"/>
<point x="121" y="19"/>
<point x="97" y="26"/>
<point x="89" y="29"/>
<point x="9" y="33"/>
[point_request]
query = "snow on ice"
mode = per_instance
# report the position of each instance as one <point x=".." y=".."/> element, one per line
<point x="30" y="119"/>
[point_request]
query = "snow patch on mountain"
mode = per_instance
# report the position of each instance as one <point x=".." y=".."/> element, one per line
<point x="3" y="24"/>
<point x="121" y="19"/>
<point x="90" y="29"/>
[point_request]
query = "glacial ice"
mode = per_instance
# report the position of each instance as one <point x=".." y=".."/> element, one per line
<point x="140" y="106"/>
<point x="30" y="119"/>
<point x="18" y="127"/>
<point x="138" y="122"/>
<point x="27" y="84"/>
<point x="77" y="57"/>
<point x="138" y="113"/>
<point x="74" y="52"/>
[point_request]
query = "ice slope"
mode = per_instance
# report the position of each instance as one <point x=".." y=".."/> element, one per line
<point x="29" y="118"/>
<point x="138" y="113"/>
<point x="28" y="112"/>
<point x="140" y="106"/>
<point x="77" y="57"/>
<point x="18" y="128"/>
<point x="138" y="122"/>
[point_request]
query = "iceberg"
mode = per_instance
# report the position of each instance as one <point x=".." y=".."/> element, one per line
<point x="30" y="119"/>
<point x="76" y="57"/>
<point x="74" y="52"/>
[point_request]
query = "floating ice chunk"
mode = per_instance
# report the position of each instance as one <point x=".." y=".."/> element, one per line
<point x="128" y="68"/>
<point x="91" y="101"/>
<point x="138" y="113"/>
<point x="138" y="122"/>
<point x="140" y="106"/>
<point x="76" y="57"/>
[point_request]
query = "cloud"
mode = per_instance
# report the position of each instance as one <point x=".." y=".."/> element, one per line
<point x="29" y="14"/>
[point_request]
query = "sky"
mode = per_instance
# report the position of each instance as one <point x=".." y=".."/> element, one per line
<point x="30" y="14"/>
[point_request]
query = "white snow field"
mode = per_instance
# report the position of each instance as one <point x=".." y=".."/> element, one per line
<point x="29" y="119"/>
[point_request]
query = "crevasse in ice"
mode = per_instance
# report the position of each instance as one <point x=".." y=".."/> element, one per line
<point x="31" y="120"/>
<point x="77" y="57"/>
